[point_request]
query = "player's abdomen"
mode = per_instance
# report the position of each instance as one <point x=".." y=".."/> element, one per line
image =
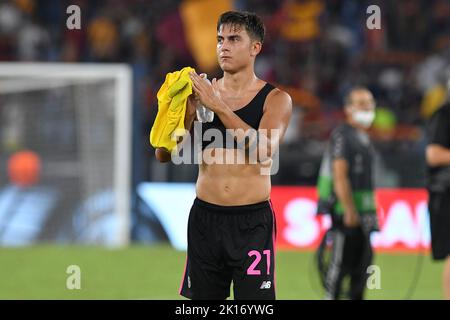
<point x="229" y="183"/>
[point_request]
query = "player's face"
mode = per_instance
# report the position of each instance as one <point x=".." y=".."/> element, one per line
<point x="362" y="100"/>
<point x="361" y="108"/>
<point x="235" y="49"/>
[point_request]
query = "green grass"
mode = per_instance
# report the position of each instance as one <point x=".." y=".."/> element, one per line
<point x="154" y="272"/>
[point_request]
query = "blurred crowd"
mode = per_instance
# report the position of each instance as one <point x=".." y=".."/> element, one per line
<point x="314" y="49"/>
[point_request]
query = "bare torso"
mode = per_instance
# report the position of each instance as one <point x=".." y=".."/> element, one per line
<point x="232" y="184"/>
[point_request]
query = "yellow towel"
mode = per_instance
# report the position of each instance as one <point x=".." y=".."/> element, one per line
<point x="172" y="100"/>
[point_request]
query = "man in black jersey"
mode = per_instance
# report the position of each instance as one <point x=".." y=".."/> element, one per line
<point x="231" y="228"/>
<point x="346" y="191"/>
<point x="438" y="160"/>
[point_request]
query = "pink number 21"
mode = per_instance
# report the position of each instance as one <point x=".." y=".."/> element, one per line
<point x="251" y="270"/>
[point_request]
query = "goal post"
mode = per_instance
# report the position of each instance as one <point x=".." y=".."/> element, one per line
<point x="77" y="118"/>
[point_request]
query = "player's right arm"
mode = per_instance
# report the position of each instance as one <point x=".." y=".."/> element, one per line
<point x="190" y="112"/>
<point x="162" y="154"/>
<point x="437" y="155"/>
<point x="438" y="128"/>
<point x="342" y="185"/>
<point x="343" y="190"/>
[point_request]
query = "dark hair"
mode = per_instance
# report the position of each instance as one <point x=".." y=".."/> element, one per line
<point x="347" y="97"/>
<point x="252" y="23"/>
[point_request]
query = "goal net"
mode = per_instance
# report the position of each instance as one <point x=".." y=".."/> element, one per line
<point x="65" y="153"/>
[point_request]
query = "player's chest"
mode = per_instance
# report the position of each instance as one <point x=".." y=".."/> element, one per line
<point x="361" y="158"/>
<point x="236" y="102"/>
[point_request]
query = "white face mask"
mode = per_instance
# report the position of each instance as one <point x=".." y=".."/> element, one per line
<point x="363" y="118"/>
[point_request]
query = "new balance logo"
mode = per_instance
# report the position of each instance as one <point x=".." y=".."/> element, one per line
<point x="266" y="285"/>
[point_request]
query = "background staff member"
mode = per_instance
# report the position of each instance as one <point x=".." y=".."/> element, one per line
<point x="438" y="160"/>
<point x="346" y="186"/>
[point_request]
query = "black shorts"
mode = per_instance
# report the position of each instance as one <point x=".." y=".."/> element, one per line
<point x="230" y="243"/>
<point x="439" y="207"/>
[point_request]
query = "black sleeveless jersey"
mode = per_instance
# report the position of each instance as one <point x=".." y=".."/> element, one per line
<point x="215" y="135"/>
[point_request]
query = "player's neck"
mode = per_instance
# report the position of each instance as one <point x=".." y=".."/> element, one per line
<point x="239" y="81"/>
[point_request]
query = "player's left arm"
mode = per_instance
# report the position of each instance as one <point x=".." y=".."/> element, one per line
<point x="273" y="124"/>
<point x="436" y="152"/>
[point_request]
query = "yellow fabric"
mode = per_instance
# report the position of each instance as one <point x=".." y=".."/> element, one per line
<point x="103" y="36"/>
<point x="302" y="20"/>
<point x="433" y="99"/>
<point x="172" y="100"/>
<point x="199" y="19"/>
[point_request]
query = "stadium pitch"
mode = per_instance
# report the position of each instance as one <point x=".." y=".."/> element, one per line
<point x="154" y="272"/>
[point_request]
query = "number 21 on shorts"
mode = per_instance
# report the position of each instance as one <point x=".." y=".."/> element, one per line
<point x="252" y="269"/>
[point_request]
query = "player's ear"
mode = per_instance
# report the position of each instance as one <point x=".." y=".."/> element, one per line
<point x="256" y="48"/>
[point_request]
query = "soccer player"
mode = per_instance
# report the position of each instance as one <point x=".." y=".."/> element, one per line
<point x="231" y="228"/>
<point x="438" y="160"/>
<point x="346" y="186"/>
